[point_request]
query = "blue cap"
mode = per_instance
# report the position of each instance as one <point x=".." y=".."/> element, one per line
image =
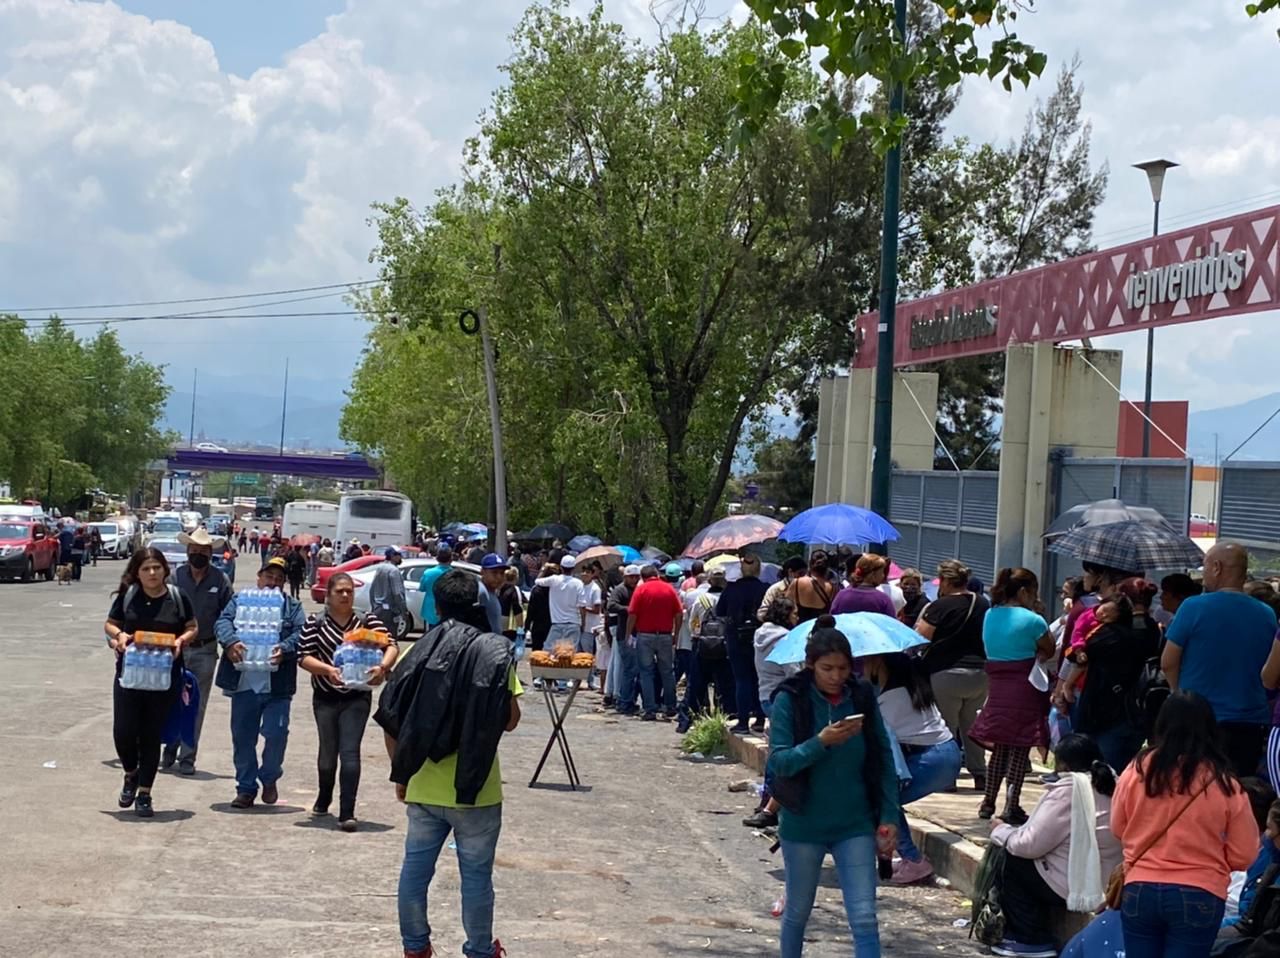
<point x="673" y="570"/>
<point x="493" y="561"/>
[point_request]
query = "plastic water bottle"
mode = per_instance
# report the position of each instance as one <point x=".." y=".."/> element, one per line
<point x="519" y="644"/>
<point x="129" y="673"/>
<point x="148" y="670"/>
<point x="166" y="669"/>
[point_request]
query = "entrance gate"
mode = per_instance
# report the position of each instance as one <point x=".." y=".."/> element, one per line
<point x="1249" y="504"/>
<point x="945" y="515"/>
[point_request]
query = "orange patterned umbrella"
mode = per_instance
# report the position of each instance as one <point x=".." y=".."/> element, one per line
<point x="732" y="533"/>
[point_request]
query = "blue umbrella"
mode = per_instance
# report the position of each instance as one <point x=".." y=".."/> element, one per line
<point x="838" y="524"/>
<point x="580" y="543"/>
<point x="630" y="554"/>
<point x="476" y="529"/>
<point x="869" y="633"/>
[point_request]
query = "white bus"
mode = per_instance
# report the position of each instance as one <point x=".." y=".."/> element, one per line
<point x="378" y="518"/>
<point x="310" y="517"/>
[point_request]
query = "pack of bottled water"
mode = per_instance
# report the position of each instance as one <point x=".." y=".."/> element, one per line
<point x="355" y="659"/>
<point x="147" y="667"/>
<point x="259" y="614"/>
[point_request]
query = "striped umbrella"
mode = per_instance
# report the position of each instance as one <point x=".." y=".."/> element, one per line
<point x="1130" y="546"/>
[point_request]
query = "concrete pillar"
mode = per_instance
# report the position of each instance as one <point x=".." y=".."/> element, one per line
<point x="855" y="486"/>
<point x="1052" y="399"/>
<point x="839" y="437"/>
<point x="913" y="439"/>
<point x="822" y="443"/>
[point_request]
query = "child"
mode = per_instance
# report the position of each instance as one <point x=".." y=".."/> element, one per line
<point x="1262" y="798"/>
<point x="1075" y="669"/>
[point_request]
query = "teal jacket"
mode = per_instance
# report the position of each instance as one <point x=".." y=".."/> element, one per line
<point x="837" y="806"/>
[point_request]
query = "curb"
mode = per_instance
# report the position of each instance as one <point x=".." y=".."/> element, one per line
<point x="954" y="857"/>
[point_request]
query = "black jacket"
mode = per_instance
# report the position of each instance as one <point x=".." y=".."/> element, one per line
<point x="450" y="694"/>
<point x="1117" y="654"/>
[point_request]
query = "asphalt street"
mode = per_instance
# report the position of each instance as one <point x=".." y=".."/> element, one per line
<point x="648" y="860"/>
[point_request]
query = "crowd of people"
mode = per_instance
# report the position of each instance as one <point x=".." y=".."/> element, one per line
<point x="1153" y="700"/>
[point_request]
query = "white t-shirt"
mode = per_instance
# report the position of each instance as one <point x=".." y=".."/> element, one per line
<point x="911" y="726"/>
<point x="591" y="597"/>
<point x="565" y="594"/>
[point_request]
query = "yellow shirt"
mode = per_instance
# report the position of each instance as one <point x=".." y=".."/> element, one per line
<point x="433" y="783"/>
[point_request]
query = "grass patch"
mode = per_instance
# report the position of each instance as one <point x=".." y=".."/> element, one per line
<point x="709" y="734"/>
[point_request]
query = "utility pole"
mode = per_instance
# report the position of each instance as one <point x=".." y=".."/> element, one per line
<point x="191" y="434"/>
<point x="882" y="441"/>
<point x="284" y="403"/>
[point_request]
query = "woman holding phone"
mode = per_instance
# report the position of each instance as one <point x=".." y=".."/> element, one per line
<point x="145" y="602"/>
<point x="835" y="778"/>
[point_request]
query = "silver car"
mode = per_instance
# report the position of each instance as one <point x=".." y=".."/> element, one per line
<point x="411" y="571"/>
<point x="174" y="551"/>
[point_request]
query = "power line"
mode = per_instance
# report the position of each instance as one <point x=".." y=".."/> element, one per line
<point x="110" y="320"/>
<point x="1188" y="215"/>
<point x="197" y="299"/>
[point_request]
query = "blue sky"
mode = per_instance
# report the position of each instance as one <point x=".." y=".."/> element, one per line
<point x="159" y="150"/>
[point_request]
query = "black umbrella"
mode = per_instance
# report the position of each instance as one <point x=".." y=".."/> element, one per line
<point x="1101" y="513"/>
<point x="549" y="530"/>
<point x="653" y="553"/>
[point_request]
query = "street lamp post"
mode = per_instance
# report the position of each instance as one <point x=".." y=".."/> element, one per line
<point x="1155" y="170"/>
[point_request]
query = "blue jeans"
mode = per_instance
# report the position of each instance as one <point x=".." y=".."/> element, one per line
<point x="855" y="860"/>
<point x="627" y="666"/>
<point x="932" y="770"/>
<point x="1119" y="745"/>
<point x="746" y="684"/>
<point x="1169" y="921"/>
<point x="656" y="648"/>
<point x="475" y="832"/>
<point x="254" y="713"/>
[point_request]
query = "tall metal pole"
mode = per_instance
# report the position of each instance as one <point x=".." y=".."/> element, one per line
<point x="191" y="435"/>
<point x="284" y="403"/>
<point x="1151" y="350"/>
<point x="495" y="426"/>
<point x="881" y="458"/>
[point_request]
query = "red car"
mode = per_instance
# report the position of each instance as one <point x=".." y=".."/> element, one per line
<point x="321" y="586"/>
<point x="25" y="549"/>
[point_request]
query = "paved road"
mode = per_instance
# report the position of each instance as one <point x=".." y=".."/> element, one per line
<point x="650" y="862"/>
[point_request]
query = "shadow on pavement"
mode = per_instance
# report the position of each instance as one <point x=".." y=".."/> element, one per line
<point x="226" y="808"/>
<point x="161" y="815"/>
<point x="200" y="776"/>
<point x="560" y="787"/>
<point x="329" y="823"/>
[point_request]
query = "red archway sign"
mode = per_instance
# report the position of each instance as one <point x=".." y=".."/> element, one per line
<point x="1224" y="268"/>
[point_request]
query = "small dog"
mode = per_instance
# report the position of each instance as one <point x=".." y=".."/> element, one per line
<point x="64" y="574"/>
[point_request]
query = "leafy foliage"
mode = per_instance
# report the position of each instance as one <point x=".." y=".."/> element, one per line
<point x="854" y="39"/>
<point x="85" y="414"/>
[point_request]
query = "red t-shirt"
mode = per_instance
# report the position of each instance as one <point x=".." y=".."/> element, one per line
<point x="654" y="607"/>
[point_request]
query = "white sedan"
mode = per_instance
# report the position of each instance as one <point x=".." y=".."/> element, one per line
<point x="411" y="571"/>
<point x="208" y="447"/>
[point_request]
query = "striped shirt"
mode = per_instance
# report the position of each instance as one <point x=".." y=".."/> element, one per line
<point x="321" y="637"/>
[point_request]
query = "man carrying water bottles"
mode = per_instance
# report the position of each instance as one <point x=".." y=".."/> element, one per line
<point x="260" y="699"/>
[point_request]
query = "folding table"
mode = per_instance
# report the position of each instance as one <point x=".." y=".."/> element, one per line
<point x="550" y="676"/>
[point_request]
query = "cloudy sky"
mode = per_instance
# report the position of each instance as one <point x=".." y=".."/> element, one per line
<point x="165" y="149"/>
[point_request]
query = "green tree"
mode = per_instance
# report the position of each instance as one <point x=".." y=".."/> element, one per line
<point x="854" y="39"/>
<point x="784" y="473"/>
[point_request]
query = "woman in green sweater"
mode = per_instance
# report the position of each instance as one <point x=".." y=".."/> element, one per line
<point x="830" y="754"/>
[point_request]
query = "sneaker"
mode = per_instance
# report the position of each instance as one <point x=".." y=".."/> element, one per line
<point x="649" y="717"/>
<point x="168" y="757"/>
<point x="349" y="825"/>
<point x="986" y="811"/>
<point x="142" y="805"/>
<point x="270" y="794"/>
<point x="1016" y="949"/>
<point x="128" y="792"/>
<point x="187" y="766"/>
<point x="1014" y="816"/>
<point x="758" y="726"/>
<point x="761" y="819"/>
<point x="607" y="702"/>
<point x="979" y="783"/>
<point x="319" y="811"/>
<point x="908" y="872"/>
<point x="537" y="684"/>
<point x="242" y="800"/>
<point x="668" y="716"/>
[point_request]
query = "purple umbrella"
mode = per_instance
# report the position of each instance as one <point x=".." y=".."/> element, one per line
<point x="732" y="533"/>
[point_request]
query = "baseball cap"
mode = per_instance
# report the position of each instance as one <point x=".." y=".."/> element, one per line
<point x="568" y="562"/>
<point x="631" y="570"/>
<point x="276" y="562"/>
<point x="493" y="561"/>
<point x="673" y="570"/>
<point x="391" y="552"/>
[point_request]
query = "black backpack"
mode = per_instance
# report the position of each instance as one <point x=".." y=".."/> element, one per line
<point x="713" y="633"/>
<point x="1149" y="694"/>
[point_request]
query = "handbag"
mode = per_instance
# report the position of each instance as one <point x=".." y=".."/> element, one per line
<point x="1115" y="884"/>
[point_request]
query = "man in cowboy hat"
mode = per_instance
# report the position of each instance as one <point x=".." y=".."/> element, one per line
<point x="209" y="592"/>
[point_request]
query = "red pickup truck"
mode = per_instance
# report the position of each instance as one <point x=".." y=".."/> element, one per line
<point x="27" y="548"/>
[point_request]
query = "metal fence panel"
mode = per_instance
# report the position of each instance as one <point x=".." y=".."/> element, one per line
<point x="1249" y="503"/>
<point x="944" y="515"/>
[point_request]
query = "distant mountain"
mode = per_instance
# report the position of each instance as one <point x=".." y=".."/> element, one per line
<point x="1232" y="424"/>
<point x="239" y="413"/>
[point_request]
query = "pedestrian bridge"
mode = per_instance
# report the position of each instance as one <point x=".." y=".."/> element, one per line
<point x="348" y="467"/>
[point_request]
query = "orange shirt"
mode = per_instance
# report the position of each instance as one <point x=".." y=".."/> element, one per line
<point x="1215" y="836"/>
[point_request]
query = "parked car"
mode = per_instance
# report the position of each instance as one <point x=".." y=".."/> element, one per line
<point x="165" y="527"/>
<point x="115" y="541"/>
<point x="174" y="551"/>
<point x="208" y="447"/>
<point x="411" y="571"/>
<point x="321" y="585"/>
<point x="130" y="533"/>
<point x="27" y="547"/>
<point x="191" y="521"/>
<point x="218" y="524"/>
<point x="1202" y="526"/>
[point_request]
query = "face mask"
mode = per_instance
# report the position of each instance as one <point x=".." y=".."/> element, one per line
<point x="198" y="560"/>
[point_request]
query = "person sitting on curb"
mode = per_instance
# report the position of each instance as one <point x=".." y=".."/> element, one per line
<point x="260" y="700"/>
